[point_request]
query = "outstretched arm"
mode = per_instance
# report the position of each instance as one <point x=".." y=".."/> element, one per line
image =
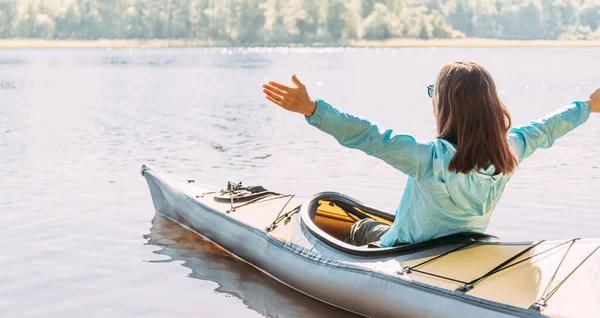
<point x="544" y="132"/>
<point x="400" y="151"/>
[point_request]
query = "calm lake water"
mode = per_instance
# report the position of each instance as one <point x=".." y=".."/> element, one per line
<point x="77" y="225"/>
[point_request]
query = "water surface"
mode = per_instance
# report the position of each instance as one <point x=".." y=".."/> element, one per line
<point x="79" y="233"/>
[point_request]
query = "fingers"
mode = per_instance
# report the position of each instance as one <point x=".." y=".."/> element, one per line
<point x="274" y="101"/>
<point x="273" y="96"/>
<point x="595" y="94"/>
<point x="297" y="82"/>
<point x="293" y="99"/>
<point x="281" y="87"/>
<point x="594" y="101"/>
<point x="274" y="90"/>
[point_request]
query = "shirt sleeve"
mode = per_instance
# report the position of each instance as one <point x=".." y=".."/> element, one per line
<point x="400" y="151"/>
<point x="544" y="132"/>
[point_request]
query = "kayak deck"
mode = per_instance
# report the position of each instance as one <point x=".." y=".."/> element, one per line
<point x="561" y="277"/>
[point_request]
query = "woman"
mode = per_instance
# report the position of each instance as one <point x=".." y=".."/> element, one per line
<point x="456" y="180"/>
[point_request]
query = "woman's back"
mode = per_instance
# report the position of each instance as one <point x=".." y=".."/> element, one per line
<point x="456" y="180"/>
<point x="438" y="201"/>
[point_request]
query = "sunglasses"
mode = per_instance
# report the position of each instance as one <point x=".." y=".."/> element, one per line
<point x="430" y="90"/>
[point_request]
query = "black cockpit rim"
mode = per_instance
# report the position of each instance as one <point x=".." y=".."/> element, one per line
<point x="309" y="208"/>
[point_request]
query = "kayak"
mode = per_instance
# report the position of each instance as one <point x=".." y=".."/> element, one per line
<point x="299" y="241"/>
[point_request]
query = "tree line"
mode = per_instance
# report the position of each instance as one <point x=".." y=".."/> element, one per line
<point x="301" y="22"/>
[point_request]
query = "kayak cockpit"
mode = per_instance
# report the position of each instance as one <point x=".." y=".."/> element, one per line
<point x="329" y="216"/>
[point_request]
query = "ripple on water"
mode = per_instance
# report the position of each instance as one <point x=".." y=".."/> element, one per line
<point x="77" y="124"/>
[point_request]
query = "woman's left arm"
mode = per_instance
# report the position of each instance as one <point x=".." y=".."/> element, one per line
<point x="400" y="151"/>
<point x="543" y="133"/>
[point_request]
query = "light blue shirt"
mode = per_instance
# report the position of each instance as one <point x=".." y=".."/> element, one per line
<point x="437" y="202"/>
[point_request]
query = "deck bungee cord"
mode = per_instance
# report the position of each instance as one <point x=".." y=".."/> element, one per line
<point x="470" y="285"/>
<point x="539" y="305"/>
<point x="283" y="216"/>
<point x="258" y="200"/>
<point x="542" y="303"/>
<point x="409" y="269"/>
<point x="259" y="195"/>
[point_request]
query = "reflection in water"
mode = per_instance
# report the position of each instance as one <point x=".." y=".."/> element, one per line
<point x="209" y="262"/>
<point x="10" y="61"/>
<point x="76" y="125"/>
<point x="7" y="83"/>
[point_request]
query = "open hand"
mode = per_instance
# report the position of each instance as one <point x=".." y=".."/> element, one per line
<point x="594" y="101"/>
<point x="289" y="98"/>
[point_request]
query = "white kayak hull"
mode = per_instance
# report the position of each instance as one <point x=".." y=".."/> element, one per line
<point x="295" y="257"/>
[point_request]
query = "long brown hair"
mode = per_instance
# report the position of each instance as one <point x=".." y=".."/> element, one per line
<point x="472" y="117"/>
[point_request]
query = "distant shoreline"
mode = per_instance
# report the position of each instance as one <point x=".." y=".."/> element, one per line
<point x="393" y="43"/>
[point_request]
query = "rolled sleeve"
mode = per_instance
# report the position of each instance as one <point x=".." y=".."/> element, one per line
<point x="543" y="133"/>
<point x="399" y="150"/>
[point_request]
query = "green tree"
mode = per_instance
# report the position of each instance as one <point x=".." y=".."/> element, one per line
<point x="258" y="22"/>
<point x="577" y="32"/>
<point x="222" y="14"/>
<point x="136" y="24"/>
<point x="88" y="19"/>
<point x="199" y="20"/>
<point x="506" y="22"/>
<point x="275" y="22"/>
<point x="366" y="8"/>
<point x="529" y="18"/>
<point x="251" y="19"/>
<point x="376" y="26"/>
<point x="551" y="19"/>
<point x="335" y="22"/>
<point x="439" y="28"/>
<point x="485" y="21"/>
<point x="396" y="6"/>
<point x="400" y="18"/>
<point x="111" y="18"/>
<point x="67" y="22"/>
<point x="435" y="5"/>
<point x="424" y="32"/>
<point x="8" y="15"/>
<point x="590" y="14"/>
<point x="26" y="22"/>
<point x="180" y="25"/>
<point x="568" y="11"/>
<point x="308" y="22"/>
<point x="460" y="17"/>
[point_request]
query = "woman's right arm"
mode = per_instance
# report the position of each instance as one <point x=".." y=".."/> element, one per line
<point x="544" y="132"/>
<point x="400" y="151"/>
